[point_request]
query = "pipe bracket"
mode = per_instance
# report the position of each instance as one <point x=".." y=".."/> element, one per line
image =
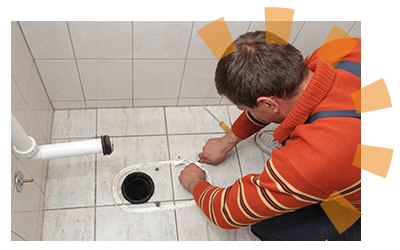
<point x="19" y="181"/>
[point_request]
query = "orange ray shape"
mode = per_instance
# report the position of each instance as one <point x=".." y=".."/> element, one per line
<point x="336" y="33"/>
<point x="218" y="38"/>
<point x="331" y="52"/>
<point x="373" y="159"/>
<point x="278" y="21"/>
<point x="340" y="211"/>
<point x="375" y="96"/>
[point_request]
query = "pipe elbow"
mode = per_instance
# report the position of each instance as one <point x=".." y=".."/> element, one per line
<point x="31" y="152"/>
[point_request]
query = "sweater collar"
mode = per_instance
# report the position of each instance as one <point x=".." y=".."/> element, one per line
<point x="314" y="93"/>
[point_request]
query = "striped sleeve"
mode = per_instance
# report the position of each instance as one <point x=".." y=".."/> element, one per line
<point x="246" y="125"/>
<point x="251" y="199"/>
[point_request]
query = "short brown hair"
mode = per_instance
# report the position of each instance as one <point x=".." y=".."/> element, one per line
<point x="259" y="69"/>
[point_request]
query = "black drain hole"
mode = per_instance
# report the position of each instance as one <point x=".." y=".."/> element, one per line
<point x="137" y="188"/>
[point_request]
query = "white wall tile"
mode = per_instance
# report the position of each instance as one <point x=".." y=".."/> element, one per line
<point x="198" y="101"/>
<point x="313" y="34"/>
<point x="39" y="103"/>
<point x="21" y="59"/>
<point x="355" y="30"/>
<point x="296" y="26"/>
<point x="102" y="39"/>
<point x="198" y="80"/>
<point x="33" y="110"/>
<point x="154" y="102"/>
<point x="26" y="206"/>
<point x="161" y="39"/>
<point x="157" y="79"/>
<point x="48" y="39"/>
<point x="61" y="79"/>
<point x="109" y="103"/>
<point x="199" y="50"/>
<point x="106" y="79"/>
<point x="69" y="105"/>
<point x="101" y="76"/>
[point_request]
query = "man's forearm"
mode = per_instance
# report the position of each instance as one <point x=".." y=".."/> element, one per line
<point x="230" y="139"/>
<point x="246" y="125"/>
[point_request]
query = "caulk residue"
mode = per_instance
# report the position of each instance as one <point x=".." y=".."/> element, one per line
<point x="120" y="177"/>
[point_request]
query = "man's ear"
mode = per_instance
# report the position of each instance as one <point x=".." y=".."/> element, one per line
<point x="269" y="102"/>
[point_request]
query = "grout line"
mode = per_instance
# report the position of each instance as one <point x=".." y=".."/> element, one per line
<point x="351" y="28"/>
<point x="133" y="62"/>
<point x="143" y="107"/>
<point x="95" y="199"/>
<point x="147" y="135"/>
<point x="298" y="33"/>
<point x="95" y="182"/>
<point x="170" y="172"/>
<point x="248" y="28"/>
<point x="184" y="65"/>
<point x="115" y="205"/>
<point x="236" y="150"/>
<point x="167" y="134"/>
<point x="176" y="224"/>
<point x="34" y="63"/>
<point x="76" y="65"/>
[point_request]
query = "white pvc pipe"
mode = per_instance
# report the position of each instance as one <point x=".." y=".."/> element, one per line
<point x="19" y="138"/>
<point x="67" y="149"/>
<point x="26" y="146"/>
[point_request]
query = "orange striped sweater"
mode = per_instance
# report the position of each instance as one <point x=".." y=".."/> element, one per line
<point x="315" y="161"/>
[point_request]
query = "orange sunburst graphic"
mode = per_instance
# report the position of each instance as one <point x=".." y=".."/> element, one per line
<point x="279" y="21"/>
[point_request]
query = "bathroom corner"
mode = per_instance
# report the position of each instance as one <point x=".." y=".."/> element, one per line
<point x="33" y="110"/>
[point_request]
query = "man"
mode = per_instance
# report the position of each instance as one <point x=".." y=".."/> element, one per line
<point x="312" y="150"/>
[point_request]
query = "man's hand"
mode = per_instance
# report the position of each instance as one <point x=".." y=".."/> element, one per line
<point x="215" y="149"/>
<point x="191" y="176"/>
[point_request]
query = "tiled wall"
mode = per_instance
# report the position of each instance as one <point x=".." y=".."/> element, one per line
<point x="31" y="107"/>
<point x="134" y="64"/>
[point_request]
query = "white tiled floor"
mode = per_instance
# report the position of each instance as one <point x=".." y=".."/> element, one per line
<point x="79" y="201"/>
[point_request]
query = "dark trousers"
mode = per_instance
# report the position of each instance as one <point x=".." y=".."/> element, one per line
<point x="306" y="224"/>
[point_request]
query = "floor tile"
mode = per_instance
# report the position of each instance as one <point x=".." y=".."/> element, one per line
<point x="183" y="120"/>
<point x="140" y="141"/>
<point x="70" y="182"/>
<point x="251" y="158"/>
<point x="226" y="172"/>
<point x="129" y="151"/>
<point x="234" y="113"/>
<point x="223" y="174"/>
<point x="194" y="225"/>
<point x="188" y="146"/>
<point x="185" y="147"/>
<point x="74" y="123"/>
<point x="116" y="224"/>
<point x="69" y="225"/>
<point x="131" y="121"/>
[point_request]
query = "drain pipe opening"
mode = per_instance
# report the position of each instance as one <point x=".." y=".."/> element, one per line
<point x="137" y="188"/>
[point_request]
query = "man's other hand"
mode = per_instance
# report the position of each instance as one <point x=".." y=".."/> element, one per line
<point x="191" y="176"/>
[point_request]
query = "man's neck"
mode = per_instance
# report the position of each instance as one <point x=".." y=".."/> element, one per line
<point x="293" y="100"/>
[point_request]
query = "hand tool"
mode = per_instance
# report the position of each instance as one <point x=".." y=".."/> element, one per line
<point x="221" y="123"/>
